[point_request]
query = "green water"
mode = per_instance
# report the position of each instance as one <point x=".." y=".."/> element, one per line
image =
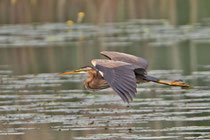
<point x="36" y="103"/>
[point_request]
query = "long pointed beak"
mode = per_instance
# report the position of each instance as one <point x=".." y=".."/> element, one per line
<point x="72" y="72"/>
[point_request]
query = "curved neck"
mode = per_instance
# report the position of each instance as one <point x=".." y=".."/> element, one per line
<point x="95" y="81"/>
<point x="92" y="75"/>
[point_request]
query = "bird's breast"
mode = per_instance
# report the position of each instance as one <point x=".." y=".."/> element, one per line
<point x="96" y="84"/>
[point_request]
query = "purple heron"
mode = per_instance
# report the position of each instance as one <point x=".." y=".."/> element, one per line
<point x="121" y="72"/>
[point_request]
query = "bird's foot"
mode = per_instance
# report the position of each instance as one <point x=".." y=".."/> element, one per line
<point x="178" y="83"/>
<point x="174" y="83"/>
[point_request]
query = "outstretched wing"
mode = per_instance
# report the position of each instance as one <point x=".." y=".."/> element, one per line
<point x="117" y="56"/>
<point x="119" y="75"/>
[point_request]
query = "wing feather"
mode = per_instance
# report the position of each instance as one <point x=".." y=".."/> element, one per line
<point x="120" y="76"/>
<point x="119" y="92"/>
<point x="128" y="93"/>
<point x="117" y="56"/>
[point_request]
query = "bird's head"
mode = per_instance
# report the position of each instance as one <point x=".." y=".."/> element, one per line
<point x="80" y="70"/>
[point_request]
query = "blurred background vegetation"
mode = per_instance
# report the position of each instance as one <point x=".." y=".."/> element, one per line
<point x="33" y="32"/>
<point x="178" y="12"/>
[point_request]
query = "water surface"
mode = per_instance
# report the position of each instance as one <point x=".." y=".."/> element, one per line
<point x="36" y="103"/>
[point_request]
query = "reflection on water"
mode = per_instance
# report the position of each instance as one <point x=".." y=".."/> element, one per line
<point x="55" y="47"/>
<point x="36" y="103"/>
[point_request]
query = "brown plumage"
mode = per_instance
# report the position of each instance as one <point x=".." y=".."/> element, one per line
<point x="121" y="72"/>
<point x="95" y="80"/>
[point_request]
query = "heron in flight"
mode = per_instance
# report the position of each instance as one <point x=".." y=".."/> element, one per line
<point x="121" y="72"/>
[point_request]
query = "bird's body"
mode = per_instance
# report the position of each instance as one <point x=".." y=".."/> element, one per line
<point x="121" y="72"/>
<point x="95" y="80"/>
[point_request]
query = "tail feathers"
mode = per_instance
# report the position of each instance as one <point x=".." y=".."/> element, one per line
<point x="150" y="78"/>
